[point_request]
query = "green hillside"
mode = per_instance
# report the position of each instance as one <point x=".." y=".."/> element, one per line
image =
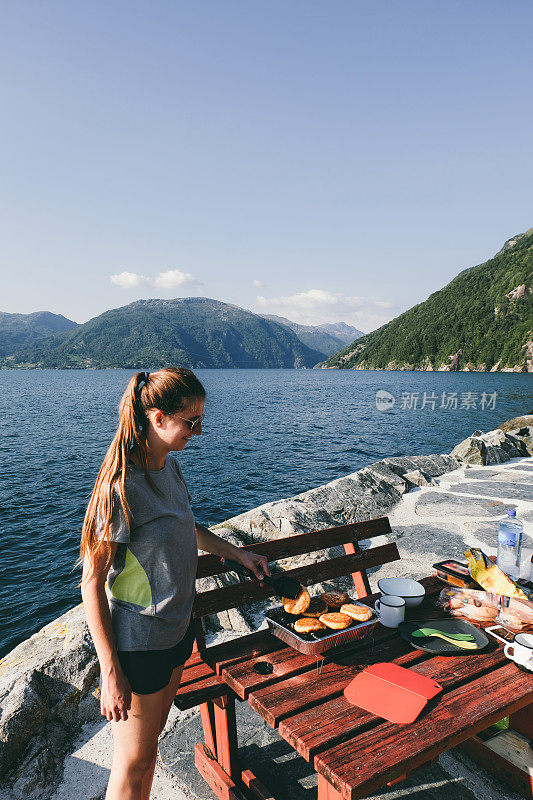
<point x="482" y="320"/>
<point x="18" y="330"/>
<point x="191" y="332"/>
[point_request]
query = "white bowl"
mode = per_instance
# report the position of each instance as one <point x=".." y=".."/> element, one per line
<point x="412" y="592"/>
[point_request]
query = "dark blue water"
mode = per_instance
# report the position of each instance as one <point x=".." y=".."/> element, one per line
<point x="267" y="434"/>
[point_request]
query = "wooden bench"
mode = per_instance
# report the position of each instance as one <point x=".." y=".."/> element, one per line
<point x="202" y="683"/>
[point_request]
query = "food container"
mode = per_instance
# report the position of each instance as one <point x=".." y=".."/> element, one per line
<point x="486" y="607"/>
<point x="454" y="574"/>
<point x="281" y="625"/>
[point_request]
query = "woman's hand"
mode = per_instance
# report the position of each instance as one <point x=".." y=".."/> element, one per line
<point x="211" y="543"/>
<point x="255" y="563"/>
<point x="115" y="696"/>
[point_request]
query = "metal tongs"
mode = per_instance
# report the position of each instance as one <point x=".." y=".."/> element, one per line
<point x="284" y="586"/>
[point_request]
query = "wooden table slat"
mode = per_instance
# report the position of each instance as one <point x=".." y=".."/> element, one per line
<point x="288" y="697"/>
<point x="201" y="679"/>
<point x="243" y="648"/>
<point x="195" y="673"/>
<point x="363" y="764"/>
<point x="207" y="689"/>
<point x="322" y="726"/>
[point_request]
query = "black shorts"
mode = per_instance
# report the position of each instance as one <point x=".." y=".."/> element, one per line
<point x="149" y="671"/>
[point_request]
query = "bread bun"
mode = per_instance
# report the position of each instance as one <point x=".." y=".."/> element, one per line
<point x="299" y="605"/>
<point x="315" y="608"/>
<point x="307" y="624"/>
<point x="358" y="612"/>
<point x="335" y="599"/>
<point x="336" y="621"/>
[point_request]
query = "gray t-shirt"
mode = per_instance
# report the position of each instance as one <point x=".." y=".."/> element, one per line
<point x="151" y="582"/>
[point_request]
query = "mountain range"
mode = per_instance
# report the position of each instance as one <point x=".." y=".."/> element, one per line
<point x="191" y="331"/>
<point x="481" y="321"/>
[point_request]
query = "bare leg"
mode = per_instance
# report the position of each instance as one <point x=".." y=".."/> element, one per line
<point x="169" y="693"/>
<point x="147" y="780"/>
<point x="135" y="746"/>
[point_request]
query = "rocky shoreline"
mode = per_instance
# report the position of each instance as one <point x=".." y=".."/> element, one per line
<point x="48" y="682"/>
<point x="453" y="366"/>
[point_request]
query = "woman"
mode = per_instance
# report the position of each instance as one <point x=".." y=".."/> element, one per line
<point x="139" y="533"/>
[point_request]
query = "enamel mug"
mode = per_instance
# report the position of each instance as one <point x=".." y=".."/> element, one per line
<point x="521" y="650"/>
<point x="391" y="610"/>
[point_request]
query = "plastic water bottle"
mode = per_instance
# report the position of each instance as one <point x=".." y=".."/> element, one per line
<point x="526" y="557"/>
<point x="510" y="545"/>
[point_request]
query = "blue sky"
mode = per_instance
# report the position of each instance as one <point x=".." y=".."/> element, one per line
<point x="321" y="160"/>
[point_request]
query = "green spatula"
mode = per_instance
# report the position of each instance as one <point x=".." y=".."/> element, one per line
<point x="463" y="644"/>
<point x="465" y="637"/>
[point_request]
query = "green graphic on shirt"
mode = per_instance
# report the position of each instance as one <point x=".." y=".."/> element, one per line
<point x="132" y="585"/>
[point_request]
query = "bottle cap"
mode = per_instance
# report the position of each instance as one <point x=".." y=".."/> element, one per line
<point x="511" y="512"/>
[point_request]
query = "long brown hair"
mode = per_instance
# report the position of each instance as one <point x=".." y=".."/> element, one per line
<point x="168" y="390"/>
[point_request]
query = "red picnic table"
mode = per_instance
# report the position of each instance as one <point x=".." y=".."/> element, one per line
<point x="354" y="752"/>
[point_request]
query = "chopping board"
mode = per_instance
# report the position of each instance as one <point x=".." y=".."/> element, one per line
<point x="392" y="692"/>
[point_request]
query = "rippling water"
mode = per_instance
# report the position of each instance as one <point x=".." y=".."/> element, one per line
<point x="267" y="434"/>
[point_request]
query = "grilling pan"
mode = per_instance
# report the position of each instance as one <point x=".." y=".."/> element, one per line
<point x="281" y="625"/>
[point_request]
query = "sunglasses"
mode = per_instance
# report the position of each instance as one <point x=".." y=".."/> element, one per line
<point x="192" y="423"/>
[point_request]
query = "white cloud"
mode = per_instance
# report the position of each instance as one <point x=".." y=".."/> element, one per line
<point x="171" y="279"/>
<point x="317" y="306"/>
<point x="259" y="285"/>
<point x="129" y="280"/>
<point x="174" y="278"/>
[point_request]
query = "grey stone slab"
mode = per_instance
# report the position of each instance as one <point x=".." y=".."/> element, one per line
<point x="504" y="475"/>
<point x="444" y="505"/>
<point x="522" y="467"/>
<point x="420" y="545"/>
<point x="176" y="750"/>
<point x="489" y="488"/>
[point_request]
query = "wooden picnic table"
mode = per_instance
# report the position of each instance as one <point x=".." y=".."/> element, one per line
<point x="353" y="751"/>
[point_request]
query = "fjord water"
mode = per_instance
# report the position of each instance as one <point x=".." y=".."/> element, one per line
<point x="267" y="434"/>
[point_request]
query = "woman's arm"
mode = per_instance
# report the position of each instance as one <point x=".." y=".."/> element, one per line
<point x="211" y="543"/>
<point x="115" y="697"/>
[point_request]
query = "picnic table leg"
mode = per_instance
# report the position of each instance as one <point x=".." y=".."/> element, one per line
<point x="206" y="709"/>
<point x="226" y="735"/>
<point x="207" y="716"/>
<point x="326" y="791"/>
<point x="211" y="771"/>
<point x="522" y="721"/>
<point x="217" y="759"/>
<point x="228" y="751"/>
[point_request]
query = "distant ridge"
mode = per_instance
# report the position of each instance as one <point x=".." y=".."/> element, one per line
<point x="190" y="331"/>
<point x="17" y="330"/>
<point x="326" y="338"/>
<point x="481" y="321"/>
